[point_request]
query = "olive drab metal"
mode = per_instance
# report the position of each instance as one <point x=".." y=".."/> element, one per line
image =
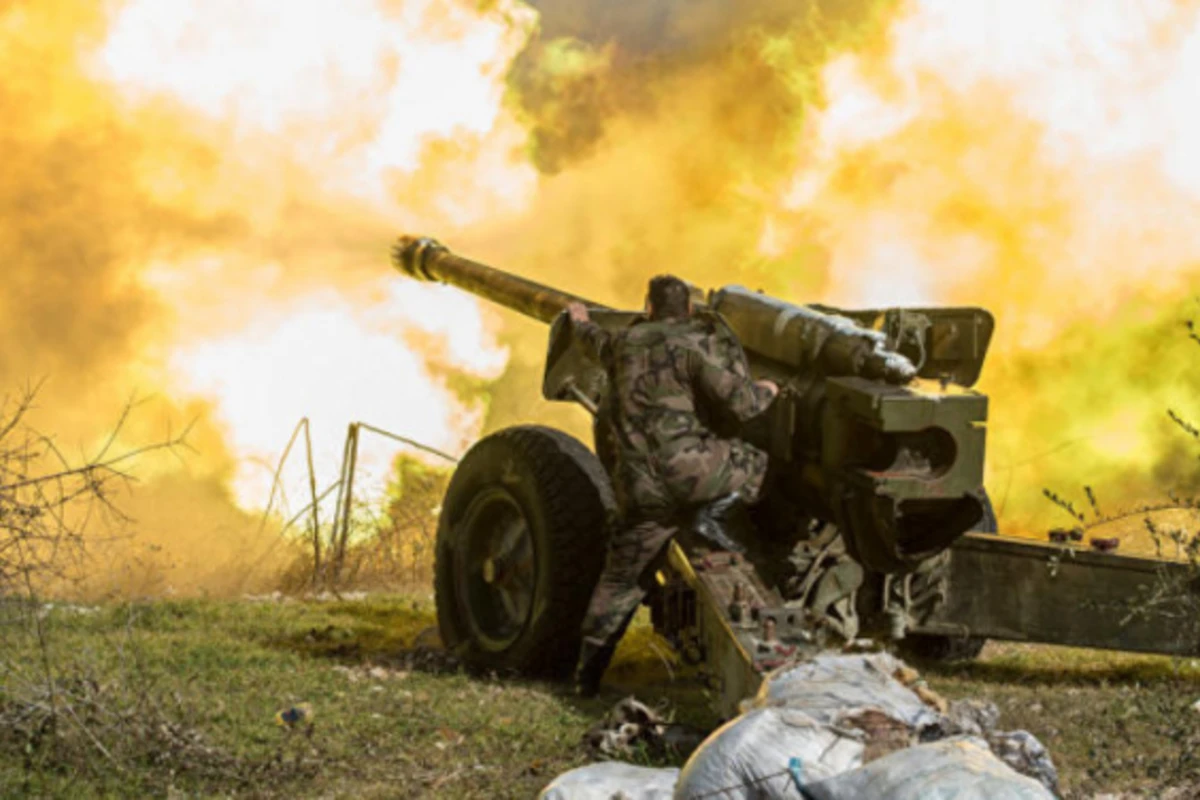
<point x="874" y="517"/>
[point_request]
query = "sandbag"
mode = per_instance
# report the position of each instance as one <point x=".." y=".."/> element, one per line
<point x="612" y="779"/>
<point x="962" y="768"/>
<point x="748" y="757"/>
<point x="828" y="686"/>
<point x="1022" y="751"/>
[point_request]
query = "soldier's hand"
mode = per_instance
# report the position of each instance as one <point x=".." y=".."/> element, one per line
<point x="771" y="386"/>
<point x="578" y="312"/>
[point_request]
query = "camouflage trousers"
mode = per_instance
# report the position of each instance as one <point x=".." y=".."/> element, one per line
<point x="695" y="472"/>
<point x="634" y="555"/>
<point x="654" y="509"/>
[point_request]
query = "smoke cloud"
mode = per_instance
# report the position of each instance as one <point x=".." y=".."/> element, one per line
<point x="195" y="212"/>
<point x="198" y="198"/>
<point x="1034" y="162"/>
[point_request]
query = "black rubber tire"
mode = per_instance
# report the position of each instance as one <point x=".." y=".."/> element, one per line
<point x="567" y="504"/>
<point x="949" y="649"/>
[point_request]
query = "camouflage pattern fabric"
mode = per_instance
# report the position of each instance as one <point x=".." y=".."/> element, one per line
<point x="633" y="557"/>
<point x="673" y="384"/>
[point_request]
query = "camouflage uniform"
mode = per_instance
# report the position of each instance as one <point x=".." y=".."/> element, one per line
<point x="673" y="383"/>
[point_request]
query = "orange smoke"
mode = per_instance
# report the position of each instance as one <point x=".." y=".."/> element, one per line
<point x="201" y="195"/>
<point x="198" y="208"/>
<point x="323" y="111"/>
<point x="1036" y="161"/>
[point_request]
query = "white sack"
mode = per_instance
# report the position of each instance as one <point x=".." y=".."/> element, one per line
<point x="612" y="779"/>
<point x="828" y="686"/>
<point x="961" y="768"/>
<point x="748" y="757"/>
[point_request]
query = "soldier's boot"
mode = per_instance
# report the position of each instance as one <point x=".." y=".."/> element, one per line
<point x="721" y="520"/>
<point x="593" y="662"/>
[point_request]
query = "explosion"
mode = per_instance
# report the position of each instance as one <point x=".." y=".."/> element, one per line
<point x="200" y="197"/>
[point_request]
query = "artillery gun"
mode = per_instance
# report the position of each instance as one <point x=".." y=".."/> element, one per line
<point x="874" y="517"/>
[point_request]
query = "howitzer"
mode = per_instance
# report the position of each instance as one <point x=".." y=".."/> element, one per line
<point x="876" y="441"/>
<point x="867" y="426"/>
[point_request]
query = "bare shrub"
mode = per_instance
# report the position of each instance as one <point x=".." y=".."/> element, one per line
<point x="1172" y="599"/>
<point x="66" y="713"/>
<point x="389" y="546"/>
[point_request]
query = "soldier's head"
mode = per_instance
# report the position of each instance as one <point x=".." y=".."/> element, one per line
<point x="668" y="298"/>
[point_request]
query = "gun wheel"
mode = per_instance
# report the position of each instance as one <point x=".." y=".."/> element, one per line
<point x="521" y="541"/>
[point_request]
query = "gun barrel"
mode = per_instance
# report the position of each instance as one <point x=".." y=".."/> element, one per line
<point x="426" y="259"/>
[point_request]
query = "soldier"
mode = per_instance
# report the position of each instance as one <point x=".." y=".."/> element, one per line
<point x="673" y="375"/>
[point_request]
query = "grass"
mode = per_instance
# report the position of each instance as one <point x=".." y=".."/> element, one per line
<point x="1112" y="721"/>
<point x="409" y="729"/>
<point x="413" y="728"/>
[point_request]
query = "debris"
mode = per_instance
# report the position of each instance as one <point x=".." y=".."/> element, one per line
<point x="299" y="714"/>
<point x="66" y="608"/>
<point x="273" y="597"/>
<point x="1023" y="752"/>
<point x="632" y="722"/>
<point x="971" y="717"/>
<point x="356" y="674"/>
<point x="451" y="737"/>
<point x="1105" y="545"/>
<point x="1020" y="750"/>
<point x="352" y="675"/>
<point x="337" y="597"/>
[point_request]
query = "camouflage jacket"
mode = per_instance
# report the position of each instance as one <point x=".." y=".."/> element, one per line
<point x="674" y="384"/>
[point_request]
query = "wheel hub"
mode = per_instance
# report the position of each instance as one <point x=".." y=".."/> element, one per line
<point x="496" y="574"/>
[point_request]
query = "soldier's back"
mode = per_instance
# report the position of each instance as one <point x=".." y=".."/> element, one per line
<point x="652" y="368"/>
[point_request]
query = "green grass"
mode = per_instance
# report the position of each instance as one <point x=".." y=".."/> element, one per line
<point x="221" y="671"/>
<point x="1111" y="721"/>
<point x="418" y="732"/>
